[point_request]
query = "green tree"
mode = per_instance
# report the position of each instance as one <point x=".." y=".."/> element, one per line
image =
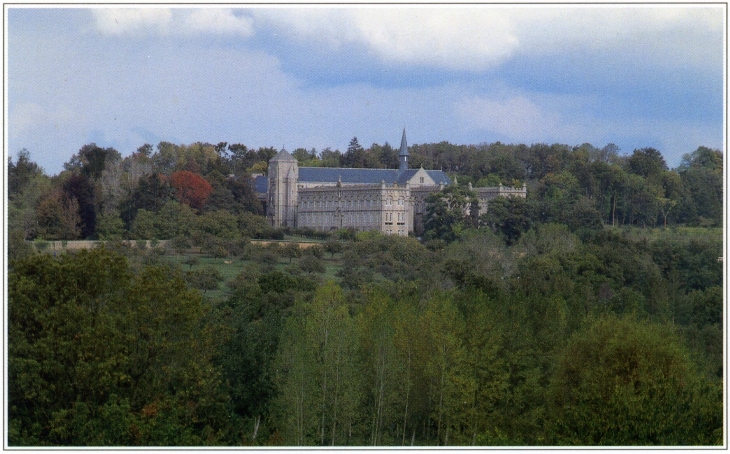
<point x="386" y="386"/>
<point x="219" y="224"/>
<point x="110" y="226"/>
<point x="18" y="247"/>
<point x="333" y="246"/>
<point x="91" y="160"/>
<point x="608" y="185"/>
<point x="143" y="227"/>
<point x="175" y="219"/>
<point x="626" y="382"/>
<point x="311" y="264"/>
<point x="355" y="156"/>
<point x="99" y="355"/>
<point x="447" y="213"/>
<point x="647" y="163"/>
<point x="27" y="185"/>
<point x="151" y="193"/>
<point x="80" y="187"/>
<point x="331" y="158"/>
<point x="318" y="382"/>
<point x="448" y="385"/>
<point x="291" y="251"/>
<point x="509" y="217"/>
<point x="701" y="173"/>
<point x="204" y="279"/>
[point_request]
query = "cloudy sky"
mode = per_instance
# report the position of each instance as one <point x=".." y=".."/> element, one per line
<point x="316" y="76"/>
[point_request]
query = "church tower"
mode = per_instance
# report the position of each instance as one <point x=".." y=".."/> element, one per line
<point x="281" y="207"/>
<point x="403" y="155"/>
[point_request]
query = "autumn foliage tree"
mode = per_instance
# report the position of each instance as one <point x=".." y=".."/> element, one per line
<point x="190" y="188"/>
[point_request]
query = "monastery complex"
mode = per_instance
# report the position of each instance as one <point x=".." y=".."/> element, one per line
<point x="392" y="201"/>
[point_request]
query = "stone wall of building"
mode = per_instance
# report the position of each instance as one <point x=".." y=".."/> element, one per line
<point x="362" y="207"/>
<point x="490" y="193"/>
<point x="282" y="200"/>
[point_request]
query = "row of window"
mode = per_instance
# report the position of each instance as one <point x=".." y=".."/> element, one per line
<point x="401" y="217"/>
<point x="344" y="204"/>
<point x="328" y="219"/>
<point x="389" y="202"/>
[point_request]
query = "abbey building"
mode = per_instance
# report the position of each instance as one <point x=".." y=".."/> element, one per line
<point x="392" y="201"/>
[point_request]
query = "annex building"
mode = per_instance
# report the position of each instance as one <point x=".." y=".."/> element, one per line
<point x="392" y="201"/>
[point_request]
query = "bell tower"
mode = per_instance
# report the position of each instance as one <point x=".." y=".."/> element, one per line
<point x="281" y="210"/>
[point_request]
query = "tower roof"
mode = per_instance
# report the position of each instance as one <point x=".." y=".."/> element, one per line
<point x="283" y="155"/>
<point x="403" y="145"/>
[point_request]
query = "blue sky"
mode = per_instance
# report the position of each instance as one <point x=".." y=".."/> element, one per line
<point x="316" y="76"/>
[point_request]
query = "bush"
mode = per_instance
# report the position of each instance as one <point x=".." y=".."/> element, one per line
<point x="41" y="245"/>
<point x="204" y="279"/>
<point x="311" y="264"/>
<point x="315" y="251"/>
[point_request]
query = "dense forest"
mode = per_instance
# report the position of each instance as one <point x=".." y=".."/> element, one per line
<point x="588" y="314"/>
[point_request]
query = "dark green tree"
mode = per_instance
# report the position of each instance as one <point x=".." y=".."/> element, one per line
<point x="448" y="213"/>
<point x="509" y="217"/>
<point x="100" y="356"/>
<point x="628" y="383"/>
<point x="647" y="162"/>
<point x="701" y="173"/>
<point x="91" y="160"/>
<point x="80" y="188"/>
<point x="355" y="156"/>
<point x="152" y="193"/>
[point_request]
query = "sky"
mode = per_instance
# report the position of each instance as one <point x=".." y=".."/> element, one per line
<point x="315" y="76"/>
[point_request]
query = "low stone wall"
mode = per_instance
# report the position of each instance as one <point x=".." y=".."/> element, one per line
<point x="300" y="244"/>
<point x="86" y="244"/>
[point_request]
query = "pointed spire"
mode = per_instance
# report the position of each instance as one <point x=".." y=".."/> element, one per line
<point x="403" y="155"/>
<point x="403" y="145"/>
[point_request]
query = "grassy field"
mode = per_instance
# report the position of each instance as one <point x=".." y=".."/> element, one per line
<point x="231" y="268"/>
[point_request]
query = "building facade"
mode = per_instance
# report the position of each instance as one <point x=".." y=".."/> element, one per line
<point x="392" y="201"/>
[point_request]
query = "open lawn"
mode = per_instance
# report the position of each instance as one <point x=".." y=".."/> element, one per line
<point x="231" y="267"/>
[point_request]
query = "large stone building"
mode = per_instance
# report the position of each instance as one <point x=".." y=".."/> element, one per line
<point x="392" y="201"/>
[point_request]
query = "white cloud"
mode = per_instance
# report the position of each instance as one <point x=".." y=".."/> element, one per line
<point x="663" y="34"/>
<point x="451" y="38"/>
<point x="166" y="21"/>
<point x="218" y="21"/>
<point x="462" y="39"/>
<point x="480" y="37"/>
<point x="124" y="21"/>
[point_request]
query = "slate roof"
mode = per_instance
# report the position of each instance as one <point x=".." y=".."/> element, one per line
<point x="347" y="175"/>
<point x="405" y="176"/>
<point x="438" y="176"/>
<point x="283" y="155"/>
<point x="354" y="176"/>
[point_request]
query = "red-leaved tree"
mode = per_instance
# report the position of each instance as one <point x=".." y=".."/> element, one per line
<point x="190" y="188"/>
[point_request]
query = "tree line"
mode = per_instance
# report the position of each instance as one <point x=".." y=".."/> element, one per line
<point x="613" y="339"/>
<point x="589" y="313"/>
<point x="100" y="195"/>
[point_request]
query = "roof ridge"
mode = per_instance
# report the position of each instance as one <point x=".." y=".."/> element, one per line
<point x="347" y="168"/>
